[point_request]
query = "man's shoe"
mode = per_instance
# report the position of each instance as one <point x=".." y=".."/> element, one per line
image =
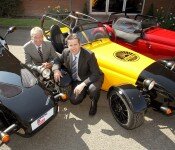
<point x="93" y="108"/>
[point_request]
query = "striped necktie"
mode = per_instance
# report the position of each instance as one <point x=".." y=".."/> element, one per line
<point x="40" y="53"/>
<point x="74" y="69"/>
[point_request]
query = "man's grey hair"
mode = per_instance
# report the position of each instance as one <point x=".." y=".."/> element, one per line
<point x="36" y="30"/>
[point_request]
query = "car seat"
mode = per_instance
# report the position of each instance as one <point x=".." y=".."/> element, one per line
<point x="147" y="23"/>
<point x="127" y="29"/>
<point x="57" y="38"/>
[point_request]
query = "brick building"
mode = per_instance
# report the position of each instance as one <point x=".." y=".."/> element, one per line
<point x="168" y="6"/>
<point x="96" y="7"/>
<point x="39" y="7"/>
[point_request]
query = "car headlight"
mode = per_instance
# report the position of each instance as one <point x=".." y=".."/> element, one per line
<point x="148" y="84"/>
<point x="46" y="73"/>
<point x="169" y="64"/>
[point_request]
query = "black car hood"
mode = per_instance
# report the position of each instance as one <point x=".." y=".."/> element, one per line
<point x="162" y="75"/>
<point x="29" y="104"/>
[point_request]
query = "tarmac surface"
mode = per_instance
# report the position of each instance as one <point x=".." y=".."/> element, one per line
<point x="73" y="129"/>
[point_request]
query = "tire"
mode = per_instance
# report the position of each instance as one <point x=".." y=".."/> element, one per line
<point x="122" y="112"/>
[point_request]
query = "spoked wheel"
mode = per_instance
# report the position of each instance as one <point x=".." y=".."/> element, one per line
<point x="122" y="113"/>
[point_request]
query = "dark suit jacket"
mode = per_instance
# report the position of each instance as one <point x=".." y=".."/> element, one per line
<point x="33" y="58"/>
<point x="88" y="69"/>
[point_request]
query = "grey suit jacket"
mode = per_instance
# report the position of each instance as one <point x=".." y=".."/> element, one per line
<point x="88" y="69"/>
<point x="33" y="58"/>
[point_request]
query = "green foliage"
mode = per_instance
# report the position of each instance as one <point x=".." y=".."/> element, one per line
<point x="23" y="22"/>
<point x="10" y="8"/>
<point x="151" y="10"/>
<point x="166" y="20"/>
<point x="57" y="11"/>
<point x="19" y="22"/>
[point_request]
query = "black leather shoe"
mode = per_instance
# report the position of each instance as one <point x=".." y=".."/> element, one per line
<point x="93" y="108"/>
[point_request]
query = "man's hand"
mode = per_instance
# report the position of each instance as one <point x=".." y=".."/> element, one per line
<point x="57" y="75"/>
<point x="47" y="65"/>
<point x="78" y="89"/>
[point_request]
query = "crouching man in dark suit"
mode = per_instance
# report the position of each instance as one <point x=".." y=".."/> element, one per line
<point x="83" y="67"/>
<point x="37" y="51"/>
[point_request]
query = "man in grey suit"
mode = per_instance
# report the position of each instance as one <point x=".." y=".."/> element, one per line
<point x="37" y="51"/>
<point x="85" y="72"/>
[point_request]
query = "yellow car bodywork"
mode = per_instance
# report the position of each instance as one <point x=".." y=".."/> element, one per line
<point x="63" y="30"/>
<point x="119" y="64"/>
<point x="133" y="81"/>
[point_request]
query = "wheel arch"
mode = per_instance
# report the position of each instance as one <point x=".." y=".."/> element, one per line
<point x="132" y="95"/>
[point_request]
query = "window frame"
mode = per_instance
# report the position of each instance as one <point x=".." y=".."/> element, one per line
<point x="107" y="8"/>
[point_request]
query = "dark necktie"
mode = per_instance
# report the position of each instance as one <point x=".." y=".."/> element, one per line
<point x="74" y="69"/>
<point x="40" y="53"/>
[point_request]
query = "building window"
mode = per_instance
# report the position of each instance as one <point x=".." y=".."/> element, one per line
<point x="108" y="6"/>
<point x="115" y="5"/>
<point x="98" y="5"/>
<point x="134" y="6"/>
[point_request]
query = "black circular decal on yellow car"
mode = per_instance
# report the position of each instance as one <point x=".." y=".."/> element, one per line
<point x="126" y="56"/>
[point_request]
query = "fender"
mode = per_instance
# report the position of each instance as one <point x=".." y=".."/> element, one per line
<point x="132" y="95"/>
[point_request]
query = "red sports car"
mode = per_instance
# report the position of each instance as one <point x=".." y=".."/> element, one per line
<point x="142" y="34"/>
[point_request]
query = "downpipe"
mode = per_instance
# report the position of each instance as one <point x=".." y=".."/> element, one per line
<point x="165" y="108"/>
<point x="148" y="85"/>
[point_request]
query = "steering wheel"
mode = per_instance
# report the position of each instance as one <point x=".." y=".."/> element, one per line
<point x="146" y="21"/>
<point x="114" y="13"/>
<point x="144" y="17"/>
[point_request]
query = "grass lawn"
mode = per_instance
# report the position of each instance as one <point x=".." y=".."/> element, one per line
<point x="20" y="22"/>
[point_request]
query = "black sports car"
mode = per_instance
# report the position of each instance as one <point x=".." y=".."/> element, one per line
<point x="25" y="104"/>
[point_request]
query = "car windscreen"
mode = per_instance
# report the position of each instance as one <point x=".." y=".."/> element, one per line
<point x="3" y="45"/>
<point x="28" y="79"/>
<point x="9" y="90"/>
<point x="88" y="35"/>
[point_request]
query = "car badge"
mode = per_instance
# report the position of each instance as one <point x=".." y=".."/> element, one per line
<point x="126" y="56"/>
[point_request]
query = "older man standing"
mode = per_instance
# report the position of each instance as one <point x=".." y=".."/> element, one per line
<point x="37" y="51"/>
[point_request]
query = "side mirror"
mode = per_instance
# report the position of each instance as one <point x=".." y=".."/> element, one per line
<point x="11" y="29"/>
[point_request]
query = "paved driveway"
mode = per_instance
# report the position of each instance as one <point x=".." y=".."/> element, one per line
<point x="73" y="129"/>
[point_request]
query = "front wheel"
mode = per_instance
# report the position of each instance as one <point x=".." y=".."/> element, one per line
<point x="122" y="113"/>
